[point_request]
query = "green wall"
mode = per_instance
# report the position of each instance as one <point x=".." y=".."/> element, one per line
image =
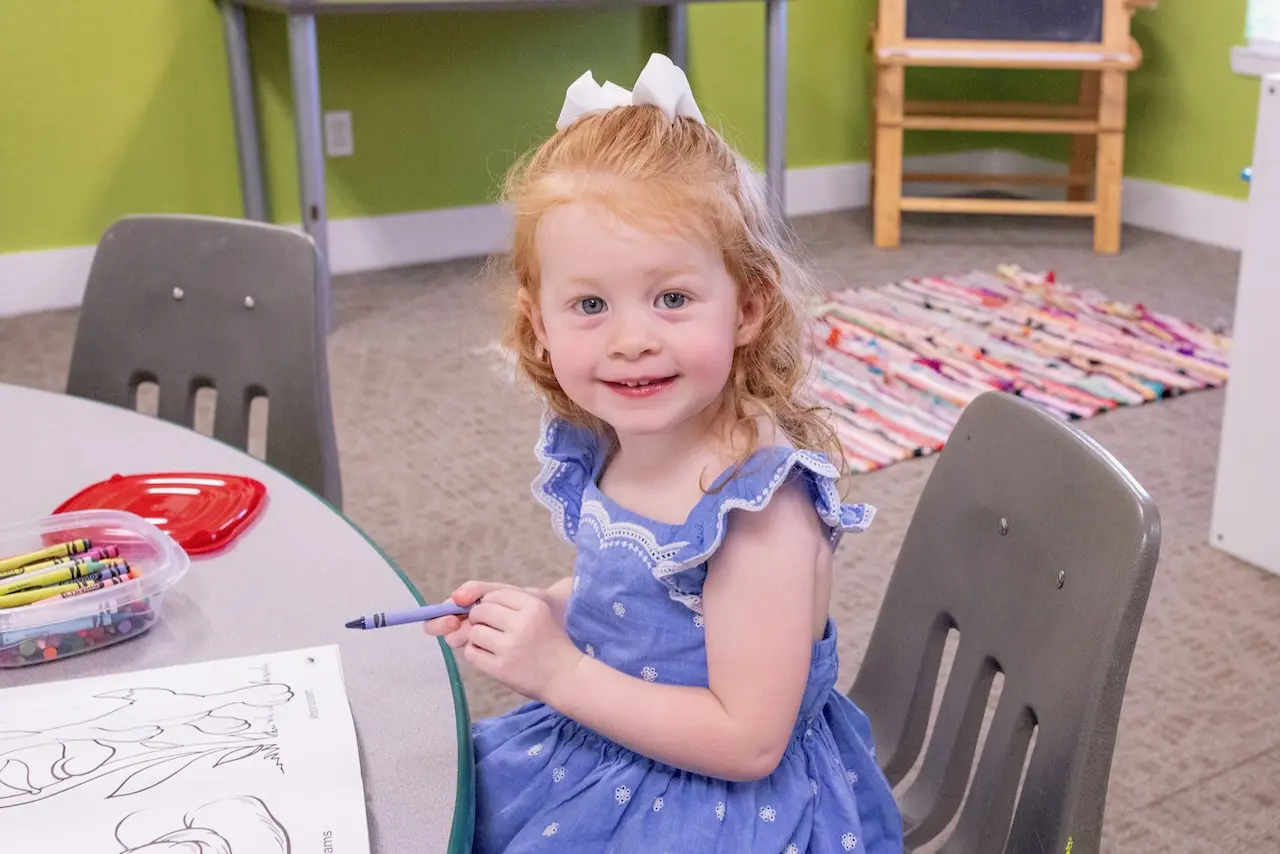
<point x="109" y="107"/>
<point x="1191" y="120"/>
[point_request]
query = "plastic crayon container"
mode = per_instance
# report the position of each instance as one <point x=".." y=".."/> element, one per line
<point x="64" y="626"/>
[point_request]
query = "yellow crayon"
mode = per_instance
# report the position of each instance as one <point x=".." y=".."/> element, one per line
<point x="93" y="580"/>
<point x="64" y="591"/>
<point x="96" y="553"/>
<point x="58" y="574"/>
<point x="74" y="547"/>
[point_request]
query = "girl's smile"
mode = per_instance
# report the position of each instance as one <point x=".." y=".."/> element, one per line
<point x="640" y="388"/>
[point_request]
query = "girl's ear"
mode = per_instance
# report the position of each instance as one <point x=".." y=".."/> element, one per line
<point x="750" y="318"/>
<point x="528" y="306"/>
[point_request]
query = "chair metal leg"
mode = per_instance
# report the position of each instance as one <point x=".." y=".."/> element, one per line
<point x="244" y="111"/>
<point x="304" y="68"/>
<point x="775" y="107"/>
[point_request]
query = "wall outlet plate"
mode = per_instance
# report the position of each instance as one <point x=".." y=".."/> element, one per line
<point x="339" y="139"/>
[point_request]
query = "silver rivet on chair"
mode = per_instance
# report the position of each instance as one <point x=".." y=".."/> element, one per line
<point x="1062" y="578"/>
<point x="1004" y="526"/>
<point x="178" y="294"/>
<point x="248" y="302"/>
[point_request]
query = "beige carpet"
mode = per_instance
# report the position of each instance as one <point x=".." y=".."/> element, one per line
<point x="436" y="461"/>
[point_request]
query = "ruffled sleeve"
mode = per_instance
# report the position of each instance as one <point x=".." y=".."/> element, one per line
<point x="569" y="456"/>
<point x="751" y="491"/>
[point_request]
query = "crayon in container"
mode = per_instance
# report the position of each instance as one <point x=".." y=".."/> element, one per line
<point x="61" y="627"/>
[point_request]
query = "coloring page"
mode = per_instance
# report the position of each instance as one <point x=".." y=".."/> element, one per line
<point x="253" y="755"/>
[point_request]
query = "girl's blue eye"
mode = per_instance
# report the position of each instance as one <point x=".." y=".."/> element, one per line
<point x="673" y="299"/>
<point x="591" y="305"/>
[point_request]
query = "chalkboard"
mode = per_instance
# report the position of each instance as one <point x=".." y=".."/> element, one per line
<point x="1006" y="20"/>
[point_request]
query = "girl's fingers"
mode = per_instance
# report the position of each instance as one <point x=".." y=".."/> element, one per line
<point x="460" y="637"/>
<point x="469" y="592"/>
<point x="485" y="638"/>
<point x="441" y="626"/>
<point x="481" y="659"/>
<point x="488" y="614"/>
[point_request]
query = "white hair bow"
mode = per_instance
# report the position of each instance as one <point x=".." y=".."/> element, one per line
<point x="661" y="84"/>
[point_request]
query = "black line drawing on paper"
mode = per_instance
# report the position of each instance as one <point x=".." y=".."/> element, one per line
<point x="235" y="825"/>
<point x="151" y="733"/>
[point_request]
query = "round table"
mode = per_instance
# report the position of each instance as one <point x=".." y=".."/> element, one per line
<point x="410" y="713"/>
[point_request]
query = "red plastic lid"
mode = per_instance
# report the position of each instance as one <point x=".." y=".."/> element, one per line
<point x="202" y="512"/>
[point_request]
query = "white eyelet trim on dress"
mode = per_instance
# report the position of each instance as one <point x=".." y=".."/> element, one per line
<point x="662" y="557"/>
<point x="649" y="674"/>
<point x="551" y="829"/>
<point x="658" y="804"/>
<point x="636" y="539"/>
<point x="848" y="841"/>
<point x="622" y="795"/>
<point x="829" y="510"/>
<point x="768" y="813"/>
<point x="720" y="811"/>
<point x="536" y="749"/>
<point x="550" y="468"/>
<point x="557" y="774"/>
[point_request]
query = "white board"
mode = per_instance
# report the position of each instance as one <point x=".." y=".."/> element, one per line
<point x="252" y="755"/>
<point x="1247" y="489"/>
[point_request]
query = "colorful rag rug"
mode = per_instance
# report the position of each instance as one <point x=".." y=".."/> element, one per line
<point x="898" y="364"/>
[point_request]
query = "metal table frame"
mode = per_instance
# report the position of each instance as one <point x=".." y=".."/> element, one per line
<point x="304" y="69"/>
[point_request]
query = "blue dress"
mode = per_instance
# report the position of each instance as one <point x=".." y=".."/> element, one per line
<point x="545" y="783"/>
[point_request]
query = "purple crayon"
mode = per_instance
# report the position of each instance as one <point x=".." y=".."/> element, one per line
<point x="417" y="615"/>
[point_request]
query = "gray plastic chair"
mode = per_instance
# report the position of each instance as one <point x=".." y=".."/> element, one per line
<point x="1039" y="549"/>
<point x="190" y="302"/>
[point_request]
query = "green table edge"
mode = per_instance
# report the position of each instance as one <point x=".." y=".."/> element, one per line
<point x="464" y="802"/>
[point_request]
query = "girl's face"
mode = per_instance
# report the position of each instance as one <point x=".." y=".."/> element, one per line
<point x="641" y="327"/>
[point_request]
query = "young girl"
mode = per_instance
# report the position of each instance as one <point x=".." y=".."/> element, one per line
<point x="683" y="677"/>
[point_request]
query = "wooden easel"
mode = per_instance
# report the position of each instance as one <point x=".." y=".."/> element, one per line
<point x="1096" y="122"/>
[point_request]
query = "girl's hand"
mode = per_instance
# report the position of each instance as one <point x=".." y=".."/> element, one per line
<point x="455" y="630"/>
<point x="515" y="638"/>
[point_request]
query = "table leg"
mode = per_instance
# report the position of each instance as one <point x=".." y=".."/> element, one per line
<point x="678" y="35"/>
<point x="244" y="111"/>
<point x="775" y="104"/>
<point x="304" y="68"/>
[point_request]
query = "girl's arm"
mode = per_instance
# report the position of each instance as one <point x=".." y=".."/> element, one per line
<point x="758" y="603"/>
<point x="557" y="596"/>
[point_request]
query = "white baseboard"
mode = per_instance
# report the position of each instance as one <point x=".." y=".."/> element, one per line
<point x="823" y="189"/>
<point x="43" y="279"/>
<point x="419" y="237"/>
<point x="1189" y="214"/>
<point x="1177" y="211"/>
<point x="55" y="278"/>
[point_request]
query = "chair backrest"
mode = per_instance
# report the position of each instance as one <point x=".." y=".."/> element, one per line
<point x="190" y="302"/>
<point x="1038" y="548"/>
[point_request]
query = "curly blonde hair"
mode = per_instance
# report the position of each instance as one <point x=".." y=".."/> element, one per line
<point x="653" y="172"/>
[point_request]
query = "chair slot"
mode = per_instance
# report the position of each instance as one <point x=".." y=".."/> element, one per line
<point x="997" y="782"/>
<point x="929" y="804"/>
<point x="206" y="400"/>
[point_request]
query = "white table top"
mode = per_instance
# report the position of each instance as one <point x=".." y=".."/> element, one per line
<point x="405" y="696"/>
